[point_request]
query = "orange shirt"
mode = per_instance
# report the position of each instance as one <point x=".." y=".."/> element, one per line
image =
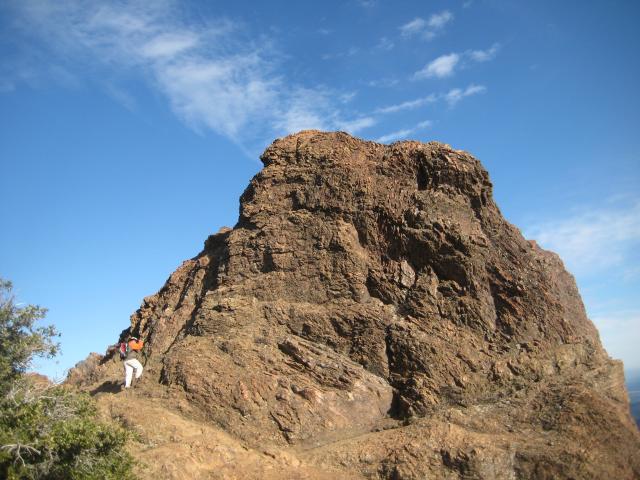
<point x="136" y="346"/>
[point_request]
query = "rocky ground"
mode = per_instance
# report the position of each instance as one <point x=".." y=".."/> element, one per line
<point x="371" y="315"/>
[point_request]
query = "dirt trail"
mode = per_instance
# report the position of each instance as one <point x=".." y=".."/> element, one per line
<point x="170" y="445"/>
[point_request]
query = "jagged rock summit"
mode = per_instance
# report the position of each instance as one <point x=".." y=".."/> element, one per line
<point x="373" y="315"/>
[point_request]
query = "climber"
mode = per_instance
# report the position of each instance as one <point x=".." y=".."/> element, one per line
<point x="129" y="353"/>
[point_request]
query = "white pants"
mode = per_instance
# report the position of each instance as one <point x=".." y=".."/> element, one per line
<point x="129" y="367"/>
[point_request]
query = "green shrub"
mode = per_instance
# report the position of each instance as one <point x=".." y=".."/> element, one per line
<point x="20" y="338"/>
<point x="48" y="431"/>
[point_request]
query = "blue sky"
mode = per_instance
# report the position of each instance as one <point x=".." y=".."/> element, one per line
<point x="128" y="130"/>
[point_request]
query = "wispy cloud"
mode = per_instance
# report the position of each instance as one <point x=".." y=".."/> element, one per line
<point x="395" y="135"/>
<point x="429" y="28"/>
<point x="400" y="134"/>
<point x="212" y="76"/>
<point x="620" y="333"/>
<point x="34" y="69"/>
<point x="356" y="125"/>
<point x="595" y="240"/>
<point x="367" y="3"/>
<point x="454" y="95"/>
<point x="484" y="55"/>
<point x="385" y="44"/>
<point x="347" y="97"/>
<point x="383" y="82"/>
<point x="315" y="109"/>
<point x="408" y="105"/>
<point x="413" y="27"/>
<point x="306" y="110"/>
<point x="599" y="244"/>
<point x="123" y="97"/>
<point x="350" y="52"/>
<point x="441" y="67"/>
<point x="169" y="45"/>
<point x="439" y="20"/>
<point x="446" y="65"/>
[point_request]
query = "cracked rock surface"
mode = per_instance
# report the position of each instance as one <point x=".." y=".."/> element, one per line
<point x="373" y="312"/>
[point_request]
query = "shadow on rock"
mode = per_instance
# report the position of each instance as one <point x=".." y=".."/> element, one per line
<point x="109" y="386"/>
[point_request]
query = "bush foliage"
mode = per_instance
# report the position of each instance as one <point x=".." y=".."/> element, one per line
<point x="20" y="339"/>
<point x="48" y="431"/>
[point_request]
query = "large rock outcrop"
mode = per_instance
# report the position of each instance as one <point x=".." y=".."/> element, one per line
<point x="372" y="310"/>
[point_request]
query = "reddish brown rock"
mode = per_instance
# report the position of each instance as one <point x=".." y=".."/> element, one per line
<point x="373" y="311"/>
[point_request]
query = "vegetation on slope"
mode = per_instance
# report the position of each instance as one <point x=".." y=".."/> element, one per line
<point x="48" y="431"/>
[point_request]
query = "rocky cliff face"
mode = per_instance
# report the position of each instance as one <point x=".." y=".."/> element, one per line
<point x="372" y="310"/>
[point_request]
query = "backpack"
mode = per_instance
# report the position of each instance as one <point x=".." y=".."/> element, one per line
<point x="125" y="348"/>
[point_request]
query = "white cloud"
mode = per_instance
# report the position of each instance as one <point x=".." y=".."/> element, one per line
<point x="454" y="95"/>
<point x="441" y="67"/>
<point x="400" y="134"/>
<point x="599" y="244"/>
<point x="347" y="97"/>
<point x="427" y="29"/>
<point x="408" y="105"/>
<point x="620" y="334"/>
<point x="385" y="44"/>
<point x="439" y="20"/>
<point x="225" y="95"/>
<point x="169" y="45"/>
<point x="212" y="76"/>
<point x="595" y="240"/>
<point x="306" y="109"/>
<point x="300" y="117"/>
<point x="484" y="55"/>
<point x="356" y="125"/>
<point x="413" y="27"/>
<point x="395" y="135"/>
<point x="383" y="82"/>
<point x="473" y="89"/>
<point x="315" y="109"/>
<point x="445" y="65"/>
<point x="350" y="52"/>
<point x="121" y="96"/>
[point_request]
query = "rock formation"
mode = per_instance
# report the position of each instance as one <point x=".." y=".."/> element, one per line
<point x="373" y="312"/>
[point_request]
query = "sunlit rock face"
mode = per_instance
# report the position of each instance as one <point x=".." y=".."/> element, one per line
<point x="373" y="310"/>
